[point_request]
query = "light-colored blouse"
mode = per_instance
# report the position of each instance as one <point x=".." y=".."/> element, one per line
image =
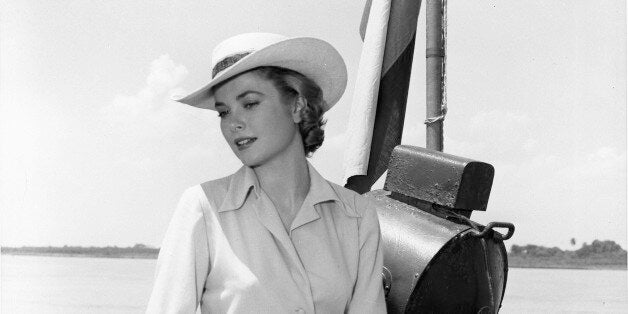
<point x="227" y="250"/>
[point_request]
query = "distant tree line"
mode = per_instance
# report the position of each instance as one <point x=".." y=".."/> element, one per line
<point x="597" y="253"/>
<point x="596" y="249"/>
<point x="136" y="251"/>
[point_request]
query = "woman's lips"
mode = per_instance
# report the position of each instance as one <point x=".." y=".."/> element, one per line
<point x="244" y="142"/>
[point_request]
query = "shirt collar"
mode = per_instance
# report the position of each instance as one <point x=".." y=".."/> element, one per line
<point x="320" y="190"/>
<point x="245" y="180"/>
<point x="323" y="191"/>
<point x="240" y="186"/>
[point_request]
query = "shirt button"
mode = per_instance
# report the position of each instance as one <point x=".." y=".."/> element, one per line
<point x="300" y="311"/>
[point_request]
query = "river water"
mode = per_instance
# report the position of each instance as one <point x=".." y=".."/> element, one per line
<point x="38" y="284"/>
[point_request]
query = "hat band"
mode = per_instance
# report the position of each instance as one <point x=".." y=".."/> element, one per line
<point x="227" y="62"/>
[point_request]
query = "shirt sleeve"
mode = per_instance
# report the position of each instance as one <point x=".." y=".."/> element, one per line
<point x="368" y="294"/>
<point x="183" y="263"/>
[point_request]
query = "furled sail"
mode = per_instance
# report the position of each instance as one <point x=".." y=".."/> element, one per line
<point x="379" y="99"/>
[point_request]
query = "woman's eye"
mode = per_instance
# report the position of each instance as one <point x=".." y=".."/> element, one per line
<point x="221" y="114"/>
<point x="251" y="104"/>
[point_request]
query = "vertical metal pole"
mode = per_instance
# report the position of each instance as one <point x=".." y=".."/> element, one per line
<point x="434" y="54"/>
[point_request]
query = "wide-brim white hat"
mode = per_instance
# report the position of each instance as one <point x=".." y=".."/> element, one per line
<point x="316" y="59"/>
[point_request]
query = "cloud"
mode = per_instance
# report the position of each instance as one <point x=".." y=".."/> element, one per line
<point x="149" y="102"/>
<point x="164" y="75"/>
<point x="604" y="162"/>
<point x="149" y="131"/>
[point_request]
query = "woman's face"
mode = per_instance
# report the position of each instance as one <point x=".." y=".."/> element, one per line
<point x="255" y="121"/>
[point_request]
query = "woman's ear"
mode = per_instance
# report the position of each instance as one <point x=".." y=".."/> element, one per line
<point x="299" y="104"/>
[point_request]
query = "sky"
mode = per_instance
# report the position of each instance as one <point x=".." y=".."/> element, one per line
<point x="94" y="152"/>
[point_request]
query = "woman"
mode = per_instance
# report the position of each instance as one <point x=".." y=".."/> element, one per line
<point x="274" y="237"/>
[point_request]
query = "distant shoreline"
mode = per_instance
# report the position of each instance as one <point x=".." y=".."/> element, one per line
<point x="139" y="251"/>
<point x="537" y="265"/>
<point x="587" y="267"/>
<point x="129" y="256"/>
<point x="143" y="252"/>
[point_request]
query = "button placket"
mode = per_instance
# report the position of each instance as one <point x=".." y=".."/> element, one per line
<point x="268" y="216"/>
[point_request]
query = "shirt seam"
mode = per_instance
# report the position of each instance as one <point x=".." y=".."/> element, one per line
<point x="204" y="207"/>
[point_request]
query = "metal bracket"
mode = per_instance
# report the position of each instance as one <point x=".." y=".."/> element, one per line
<point x="480" y="231"/>
<point x="486" y="232"/>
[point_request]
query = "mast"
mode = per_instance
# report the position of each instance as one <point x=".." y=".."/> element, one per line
<point x="435" y="73"/>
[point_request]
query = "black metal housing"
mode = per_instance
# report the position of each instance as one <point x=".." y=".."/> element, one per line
<point x="436" y="260"/>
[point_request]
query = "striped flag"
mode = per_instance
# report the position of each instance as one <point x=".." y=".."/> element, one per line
<point x="381" y="92"/>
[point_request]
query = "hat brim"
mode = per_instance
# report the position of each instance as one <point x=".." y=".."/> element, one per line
<point x="312" y="57"/>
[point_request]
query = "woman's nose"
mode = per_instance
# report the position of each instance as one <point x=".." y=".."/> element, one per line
<point x="237" y="124"/>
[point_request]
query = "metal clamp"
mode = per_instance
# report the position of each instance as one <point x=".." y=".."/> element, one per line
<point x="478" y="230"/>
<point x="486" y="232"/>
<point x="386" y="280"/>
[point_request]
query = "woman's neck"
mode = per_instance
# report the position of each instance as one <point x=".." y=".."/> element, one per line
<point x="286" y="182"/>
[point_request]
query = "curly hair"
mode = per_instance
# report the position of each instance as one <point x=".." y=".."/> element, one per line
<point x="293" y="84"/>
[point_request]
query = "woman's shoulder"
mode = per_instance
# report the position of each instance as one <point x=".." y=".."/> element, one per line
<point x="355" y="203"/>
<point x="201" y="201"/>
<point x="230" y="189"/>
<point x="216" y="186"/>
<point x="199" y="190"/>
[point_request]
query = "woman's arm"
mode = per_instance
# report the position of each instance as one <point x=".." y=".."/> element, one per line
<point x="368" y="294"/>
<point x="183" y="263"/>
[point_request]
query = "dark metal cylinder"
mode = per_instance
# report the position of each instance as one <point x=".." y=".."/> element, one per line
<point x="436" y="265"/>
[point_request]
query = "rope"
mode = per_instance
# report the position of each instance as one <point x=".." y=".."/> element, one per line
<point x="437" y="118"/>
